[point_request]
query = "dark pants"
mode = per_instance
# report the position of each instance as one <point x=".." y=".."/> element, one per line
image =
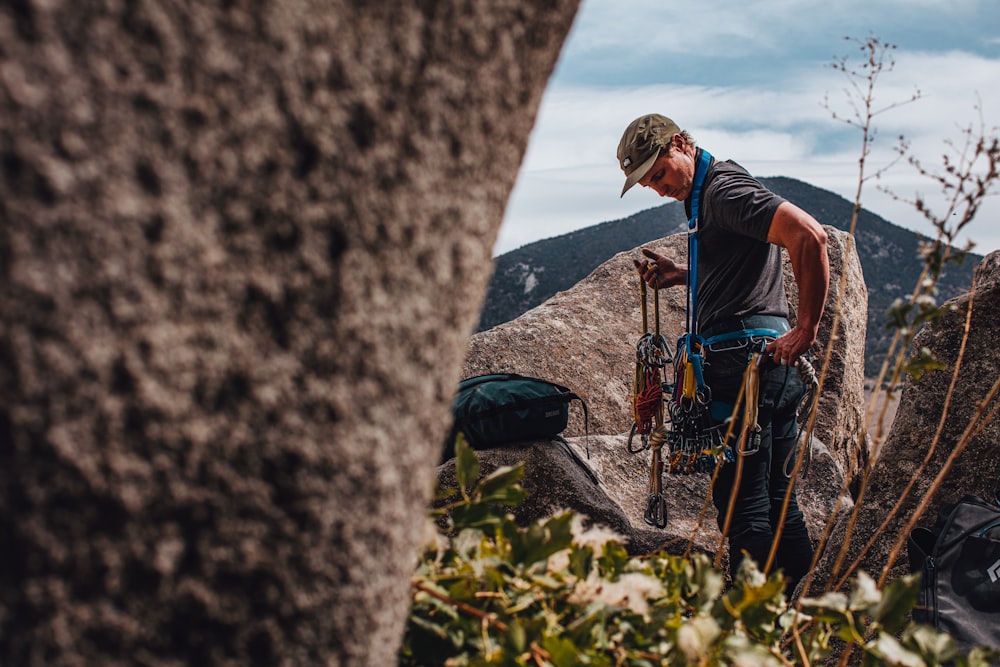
<point x="764" y="482"/>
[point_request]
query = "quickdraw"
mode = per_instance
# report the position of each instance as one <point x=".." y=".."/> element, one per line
<point x="808" y="375"/>
<point x="652" y="354"/>
<point x="695" y="441"/>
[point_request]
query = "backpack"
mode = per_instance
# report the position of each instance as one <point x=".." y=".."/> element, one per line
<point x="501" y="408"/>
<point x="959" y="559"/>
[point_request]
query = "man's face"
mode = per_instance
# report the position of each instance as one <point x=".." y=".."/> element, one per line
<point x="672" y="175"/>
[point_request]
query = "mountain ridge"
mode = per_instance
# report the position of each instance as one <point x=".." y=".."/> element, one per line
<point x="527" y="276"/>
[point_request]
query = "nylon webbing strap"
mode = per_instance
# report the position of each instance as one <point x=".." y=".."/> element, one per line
<point x="704" y="160"/>
<point x="743" y="333"/>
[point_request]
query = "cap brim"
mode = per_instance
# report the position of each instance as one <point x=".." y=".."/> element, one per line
<point x="639" y="172"/>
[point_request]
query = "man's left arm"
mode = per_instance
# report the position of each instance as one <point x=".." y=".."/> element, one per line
<point x="804" y="238"/>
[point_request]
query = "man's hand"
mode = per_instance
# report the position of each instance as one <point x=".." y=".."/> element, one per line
<point x="660" y="271"/>
<point x="787" y="349"/>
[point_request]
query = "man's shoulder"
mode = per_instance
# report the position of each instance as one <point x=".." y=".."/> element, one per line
<point x="737" y="201"/>
<point x="728" y="180"/>
<point x="730" y="173"/>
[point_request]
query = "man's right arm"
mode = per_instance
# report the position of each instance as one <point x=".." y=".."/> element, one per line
<point x="806" y="242"/>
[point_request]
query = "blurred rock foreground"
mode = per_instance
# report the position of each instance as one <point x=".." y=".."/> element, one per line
<point x="242" y="246"/>
<point x="584" y="338"/>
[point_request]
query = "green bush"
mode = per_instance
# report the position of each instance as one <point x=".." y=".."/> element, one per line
<point x="489" y="592"/>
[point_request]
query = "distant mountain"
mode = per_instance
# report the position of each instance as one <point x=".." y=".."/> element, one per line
<point x="526" y="277"/>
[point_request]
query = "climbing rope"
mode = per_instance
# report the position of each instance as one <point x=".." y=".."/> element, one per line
<point x="647" y="402"/>
<point x="750" y="427"/>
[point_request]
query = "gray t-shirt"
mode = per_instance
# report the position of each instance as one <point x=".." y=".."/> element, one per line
<point x="739" y="272"/>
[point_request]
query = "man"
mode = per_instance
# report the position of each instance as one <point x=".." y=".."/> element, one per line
<point x="740" y="287"/>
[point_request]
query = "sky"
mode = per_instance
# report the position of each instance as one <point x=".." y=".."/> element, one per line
<point x="755" y="82"/>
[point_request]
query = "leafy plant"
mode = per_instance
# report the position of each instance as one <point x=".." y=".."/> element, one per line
<point x="490" y="592"/>
<point x="970" y="173"/>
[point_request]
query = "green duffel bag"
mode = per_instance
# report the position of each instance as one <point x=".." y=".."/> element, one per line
<point x="503" y="408"/>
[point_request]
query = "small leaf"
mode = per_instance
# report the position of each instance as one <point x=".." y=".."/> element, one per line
<point x="562" y="652"/>
<point x="542" y="539"/>
<point x="898" y="600"/>
<point x="466" y="465"/>
<point x="831" y="608"/>
<point x="936" y="647"/>
<point x="983" y="657"/>
<point x="517" y="638"/>
<point x="581" y="559"/>
<point x="695" y="637"/>
<point x="830" y="601"/>
<point x="474" y="515"/>
<point x="865" y="594"/>
<point x="614" y="558"/>
<point x="501" y="486"/>
<point x="888" y="648"/>
<point x="922" y="361"/>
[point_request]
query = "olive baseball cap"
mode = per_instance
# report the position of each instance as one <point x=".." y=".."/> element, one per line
<point x="641" y="144"/>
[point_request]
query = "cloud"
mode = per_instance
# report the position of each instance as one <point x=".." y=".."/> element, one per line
<point x="773" y="122"/>
<point x="631" y="31"/>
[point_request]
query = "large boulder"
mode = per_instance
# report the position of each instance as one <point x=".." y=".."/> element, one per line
<point x="242" y="248"/>
<point x="930" y="445"/>
<point x="562" y="475"/>
<point x="585" y="337"/>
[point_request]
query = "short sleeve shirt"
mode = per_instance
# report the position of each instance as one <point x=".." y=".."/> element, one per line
<point x="739" y="272"/>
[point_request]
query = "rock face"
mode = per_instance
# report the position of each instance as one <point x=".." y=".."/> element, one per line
<point x="242" y="247"/>
<point x="912" y="441"/>
<point x="585" y="338"/>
